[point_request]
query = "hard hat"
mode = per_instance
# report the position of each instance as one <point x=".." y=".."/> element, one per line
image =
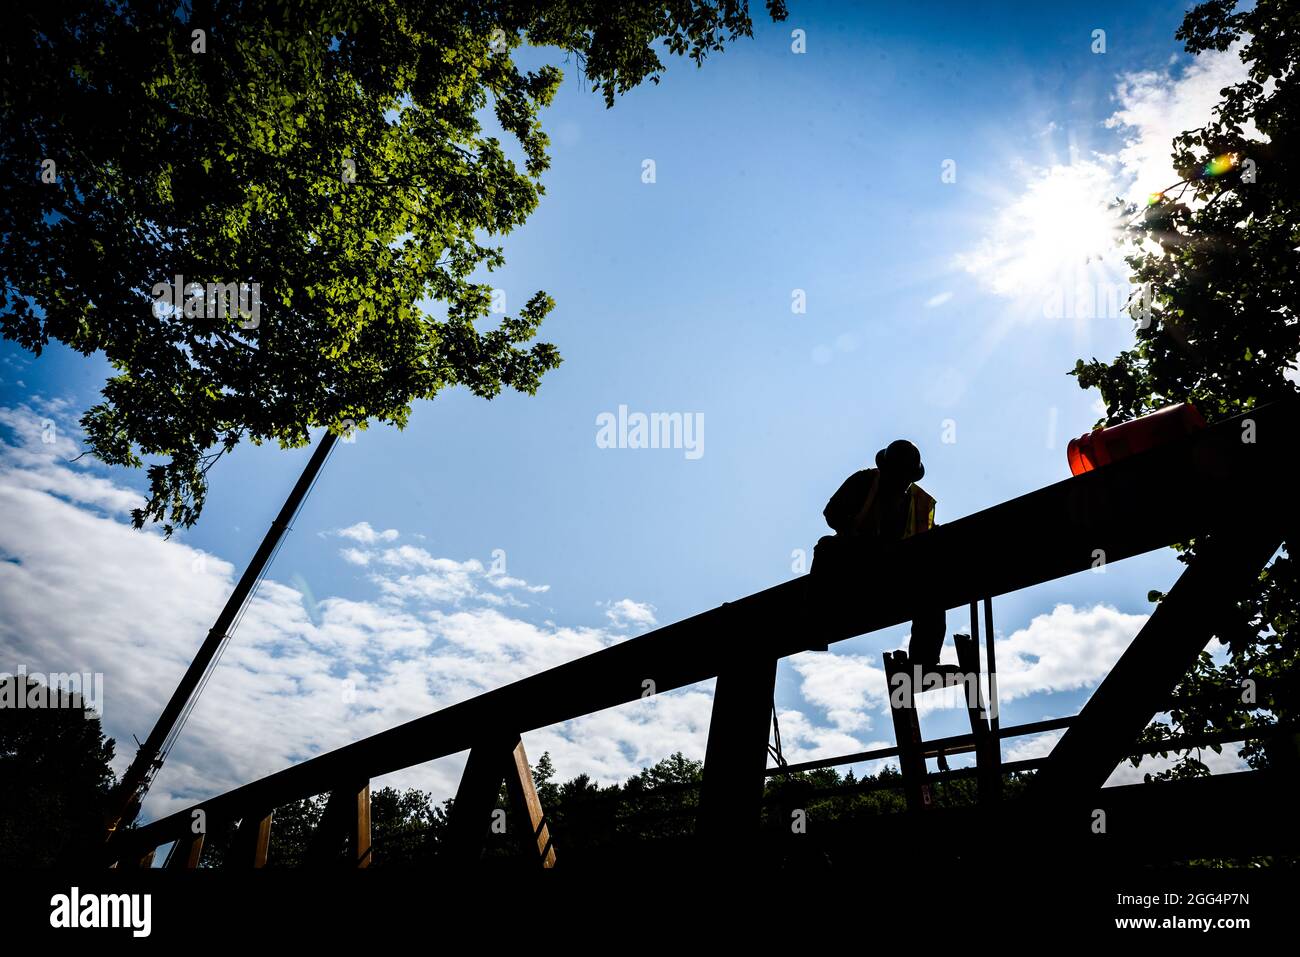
<point x="903" y="457"/>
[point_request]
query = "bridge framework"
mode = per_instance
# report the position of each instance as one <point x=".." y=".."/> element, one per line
<point x="1204" y="486"/>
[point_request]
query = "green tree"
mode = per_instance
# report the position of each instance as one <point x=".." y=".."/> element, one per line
<point x="1218" y="257"/>
<point x="292" y="828"/>
<point x="406" y="826"/>
<point x="336" y="155"/>
<point x="54" y="775"/>
<point x="543" y="772"/>
<point x="651" y="812"/>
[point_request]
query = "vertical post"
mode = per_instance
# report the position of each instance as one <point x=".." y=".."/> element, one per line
<point x="251" y="842"/>
<point x="185" y="855"/>
<point x="345" y="821"/>
<point x="359" y="832"/>
<point x="527" y="807"/>
<point x="498" y="758"/>
<point x="476" y="798"/>
<point x="735" y="758"/>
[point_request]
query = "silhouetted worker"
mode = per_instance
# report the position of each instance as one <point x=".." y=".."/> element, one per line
<point x="874" y="507"/>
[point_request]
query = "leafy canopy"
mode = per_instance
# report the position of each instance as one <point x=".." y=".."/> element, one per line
<point x="332" y="154"/>
<point x="1220" y="251"/>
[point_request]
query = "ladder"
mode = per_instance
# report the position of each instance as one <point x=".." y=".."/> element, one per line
<point x="906" y="681"/>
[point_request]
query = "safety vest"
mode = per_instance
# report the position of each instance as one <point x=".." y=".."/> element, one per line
<point x="920" y="511"/>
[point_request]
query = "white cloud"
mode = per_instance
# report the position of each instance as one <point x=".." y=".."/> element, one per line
<point x="1040" y="745"/>
<point x="505" y="581"/>
<point x="40" y="458"/>
<point x="411" y="556"/>
<point x="410" y="573"/>
<point x="1030" y="746"/>
<point x="804" y="740"/>
<point x="844" y="686"/>
<point x="938" y="300"/>
<point x="1065" y="649"/>
<point x="1156" y="106"/>
<point x="626" y="613"/>
<point x="83" y="591"/>
<point x="614" y="744"/>
<point x="363" y="533"/>
<point x="1218" y="763"/>
<point x="443" y="580"/>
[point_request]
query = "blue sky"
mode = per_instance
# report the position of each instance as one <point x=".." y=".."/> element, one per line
<point x="928" y="316"/>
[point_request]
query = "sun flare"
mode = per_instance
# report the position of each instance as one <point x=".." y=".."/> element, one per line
<point x="1067" y="224"/>
<point x="1059" y="232"/>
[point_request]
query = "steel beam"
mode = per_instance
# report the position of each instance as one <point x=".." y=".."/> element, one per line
<point x="735" y="759"/>
<point x="1105" y="732"/>
<point x="1169" y="494"/>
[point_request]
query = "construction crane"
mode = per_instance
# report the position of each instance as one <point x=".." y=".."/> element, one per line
<point x="134" y="786"/>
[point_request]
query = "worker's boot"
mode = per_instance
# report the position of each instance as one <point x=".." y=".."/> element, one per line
<point x="926" y="642"/>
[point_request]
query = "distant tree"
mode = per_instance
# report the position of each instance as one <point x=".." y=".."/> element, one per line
<point x="672" y="770"/>
<point x="652" y="809"/>
<point x="543" y="772"/>
<point x="1218" y="255"/>
<point x="333" y="154"/>
<point x="406" y="826"/>
<point x="54" y="776"/>
<point x="292" y="827"/>
<point x="660" y="801"/>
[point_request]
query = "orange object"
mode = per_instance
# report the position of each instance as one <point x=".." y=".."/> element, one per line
<point x="1103" y="446"/>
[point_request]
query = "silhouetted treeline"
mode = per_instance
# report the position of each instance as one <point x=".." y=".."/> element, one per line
<point x="54" y="774"/>
<point x="650" y="813"/>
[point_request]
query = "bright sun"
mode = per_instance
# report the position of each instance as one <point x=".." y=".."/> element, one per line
<point x="1053" y="236"/>
<point x="1052" y="251"/>
<point x="1067" y="224"/>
